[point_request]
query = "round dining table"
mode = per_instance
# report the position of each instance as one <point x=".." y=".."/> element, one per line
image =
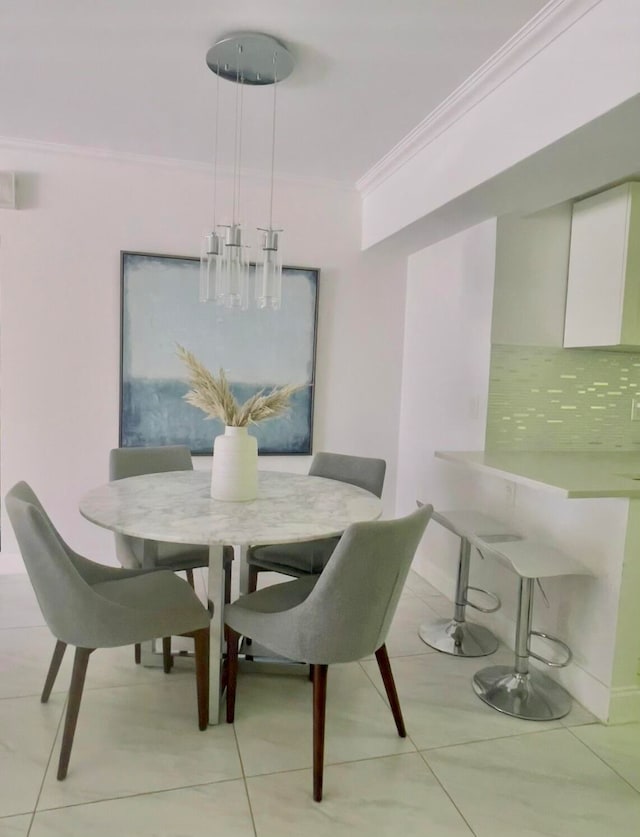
<point x="176" y="506"/>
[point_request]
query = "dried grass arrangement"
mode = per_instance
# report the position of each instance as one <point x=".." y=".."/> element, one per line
<point x="214" y="397"/>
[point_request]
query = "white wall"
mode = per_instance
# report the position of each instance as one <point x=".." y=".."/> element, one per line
<point x="60" y="298"/>
<point x="445" y="380"/>
<point x="585" y="72"/>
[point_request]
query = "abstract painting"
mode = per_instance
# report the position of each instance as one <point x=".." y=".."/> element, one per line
<point x="257" y="348"/>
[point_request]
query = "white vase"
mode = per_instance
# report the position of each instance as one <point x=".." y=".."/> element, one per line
<point x="234" y="472"/>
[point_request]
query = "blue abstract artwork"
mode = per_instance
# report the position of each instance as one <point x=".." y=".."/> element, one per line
<point x="258" y="349"/>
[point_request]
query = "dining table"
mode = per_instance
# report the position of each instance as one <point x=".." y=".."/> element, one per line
<point x="177" y="507"/>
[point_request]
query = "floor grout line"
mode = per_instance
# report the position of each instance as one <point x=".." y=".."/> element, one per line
<point x="246" y="786"/>
<point x="335" y="764"/>
<point x="137" y="794"/>
<point x="606" y="763"/>
<point x="516" y="734"/>
<point x="446" y="792"/>
<point x="46" y="768"/>
<point x="244" y="776"/>
<point x="88" y="689"/>
<point x="63" y="692"/>
<point x="424" y="598"/>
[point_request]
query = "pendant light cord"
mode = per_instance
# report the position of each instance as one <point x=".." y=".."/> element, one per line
<point x="215" y="149"/>
<point x="273" y="136"/>
<point x="235" y="143"/>
<point x="240" y="143"/>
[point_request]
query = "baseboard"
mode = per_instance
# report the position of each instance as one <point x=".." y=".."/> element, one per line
<point x="443" y="582"/>
<point x="624" y="706"/>
<point x="583" y="687"/>
<point x="611" y="706"/>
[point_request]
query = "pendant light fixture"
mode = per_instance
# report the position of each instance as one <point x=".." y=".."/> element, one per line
<point x="254" y="59"/>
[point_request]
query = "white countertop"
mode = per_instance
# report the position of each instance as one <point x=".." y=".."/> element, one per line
<point x="570" y="474"/>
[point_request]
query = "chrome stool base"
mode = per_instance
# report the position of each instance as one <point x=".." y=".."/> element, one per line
<point x="532" y="696"/>
<point x="461" y="639"/>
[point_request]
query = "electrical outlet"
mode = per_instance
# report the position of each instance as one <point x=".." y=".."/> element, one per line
<point x="635" y="409"/>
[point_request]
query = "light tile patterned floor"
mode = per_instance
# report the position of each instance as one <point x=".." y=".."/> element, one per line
<point x="140" y="766"/>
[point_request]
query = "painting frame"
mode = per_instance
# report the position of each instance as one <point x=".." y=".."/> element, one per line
<point x="289" y="435"/>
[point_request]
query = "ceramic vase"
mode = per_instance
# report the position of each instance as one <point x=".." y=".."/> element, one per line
<point x="234" y="473"/>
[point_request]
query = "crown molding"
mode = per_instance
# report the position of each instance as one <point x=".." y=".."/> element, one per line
<point x="95" y="153"/>
<point x="541" y="30"/>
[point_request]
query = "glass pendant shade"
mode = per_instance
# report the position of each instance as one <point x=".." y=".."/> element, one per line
<point x="211" y="279"/>
<point x="234" y="270"/>
<point x="269" y="272"/>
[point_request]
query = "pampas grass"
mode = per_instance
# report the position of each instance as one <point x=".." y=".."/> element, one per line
<point x="214" y="397"/>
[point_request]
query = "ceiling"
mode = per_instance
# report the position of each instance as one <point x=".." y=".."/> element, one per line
<point x="129" y="76"/>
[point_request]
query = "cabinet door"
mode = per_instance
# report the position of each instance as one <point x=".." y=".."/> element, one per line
<point x="532" y="255"/>
<point x="597" y="268"/>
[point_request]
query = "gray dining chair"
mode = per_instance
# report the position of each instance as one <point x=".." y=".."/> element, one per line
<point x="310" y="557"/>
<point x="89" y="605"/>
<point x="340" y="616"/>
<point x="178" y="557"/>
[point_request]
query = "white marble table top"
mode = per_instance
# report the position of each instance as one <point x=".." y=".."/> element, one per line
<point x="176" y="507"/>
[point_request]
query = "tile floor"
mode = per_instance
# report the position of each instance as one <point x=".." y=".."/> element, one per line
<point x="141" y="767"/>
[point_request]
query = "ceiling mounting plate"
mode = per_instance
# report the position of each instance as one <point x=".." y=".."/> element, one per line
<point x="250" y="57"/>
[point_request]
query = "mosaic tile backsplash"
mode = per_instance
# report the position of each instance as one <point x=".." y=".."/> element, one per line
<point x="562" y="399"/>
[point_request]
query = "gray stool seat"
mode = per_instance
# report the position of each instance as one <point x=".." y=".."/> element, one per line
<point x="531" y="559"/>
<point x="516" y="690"/>
<point x="457" y="636"/>
<point x="468" y="523"/>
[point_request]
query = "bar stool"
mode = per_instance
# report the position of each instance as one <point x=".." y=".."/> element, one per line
<point x="516" y="690"/>
<point x="457" y="636"/>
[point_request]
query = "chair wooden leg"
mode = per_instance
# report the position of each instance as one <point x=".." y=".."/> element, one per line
<point x="227" y="584"/>
<point x="224" y="674"/>
<point x="252" y="584"/>
<point x="201" y="639"/>
<point x="54" y="668"/>
<point x="252" y="581"/>
<point x="167" y="659"/>
<point x="80" y="662"/>
<point x="189" y="573"/>
<point x="137" y="653"/>
<point x="390" y="687"/>
<point x="232" y="673"/>
<point x="319" y="707"/>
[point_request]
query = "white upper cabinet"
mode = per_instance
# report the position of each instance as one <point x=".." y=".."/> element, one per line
<point x="532" y="254"/>
<point x="603" y="291"/>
